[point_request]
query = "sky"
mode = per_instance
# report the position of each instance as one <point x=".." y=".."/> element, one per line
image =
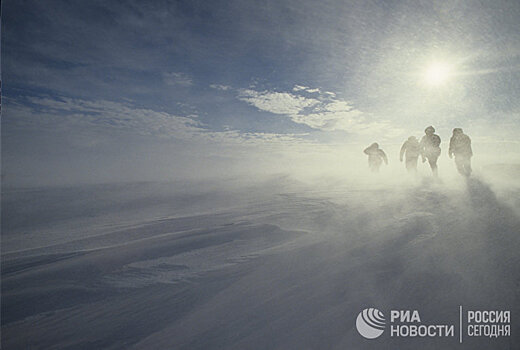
<point x="97" y="91"/>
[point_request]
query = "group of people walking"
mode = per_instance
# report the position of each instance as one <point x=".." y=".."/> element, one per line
<point x="428" y="149"/>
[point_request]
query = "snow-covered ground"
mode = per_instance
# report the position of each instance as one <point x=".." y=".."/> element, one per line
<point x="276" y="264"/>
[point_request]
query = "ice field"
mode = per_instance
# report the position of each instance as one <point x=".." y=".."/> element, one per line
<point x="278" y="264"/>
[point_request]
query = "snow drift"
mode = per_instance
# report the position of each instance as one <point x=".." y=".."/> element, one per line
<point x="279" y="264"/>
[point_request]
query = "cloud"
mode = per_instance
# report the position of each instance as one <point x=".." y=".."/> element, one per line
<point x="298" y="88"/>
<point x="323" y="113"/>
<point x="176" y="78"/>
<point x="276" y="102"/>
<point x="69" y="115"/>
<point x="326" y="112"/>
<point x="67" y="112"/>
<point x="220" y="87"/>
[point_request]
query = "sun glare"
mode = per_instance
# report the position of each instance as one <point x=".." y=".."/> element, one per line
<point x="437" y="73"/>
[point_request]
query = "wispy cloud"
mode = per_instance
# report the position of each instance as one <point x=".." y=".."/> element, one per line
<point x="70" y="114"/>
<point x="297" y="88"/>
<point x="220" y="87"/>
<point x="323" y="112"/>
<point x="177" y="78"/>
<point x="276" y="102"/>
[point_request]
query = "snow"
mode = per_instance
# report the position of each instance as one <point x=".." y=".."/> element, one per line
<point x="277" y="264"/>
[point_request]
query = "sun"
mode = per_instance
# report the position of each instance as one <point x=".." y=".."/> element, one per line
<point x="437" y="73"/>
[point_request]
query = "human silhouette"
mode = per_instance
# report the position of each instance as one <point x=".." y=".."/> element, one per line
<point x="376" y="156"/>
<point x="411" y="150"/>
<point x="460" y="146"/>
<point x="430" y="148"/>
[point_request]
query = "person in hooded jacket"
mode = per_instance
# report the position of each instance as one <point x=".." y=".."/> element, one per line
<point x="430" y="148"/>
<point x="460" y="147"/>
<point x="376" y="156"/>
<point x="411" y="151"/>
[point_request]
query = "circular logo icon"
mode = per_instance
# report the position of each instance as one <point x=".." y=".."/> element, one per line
<point x="370" y="323"/>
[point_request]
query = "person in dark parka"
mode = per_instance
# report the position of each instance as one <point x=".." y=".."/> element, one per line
<point x="376" y="156"/>
<point x="430" y="148"/>
<point x="411" y="151"/>
<point x="460" y="147"/>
